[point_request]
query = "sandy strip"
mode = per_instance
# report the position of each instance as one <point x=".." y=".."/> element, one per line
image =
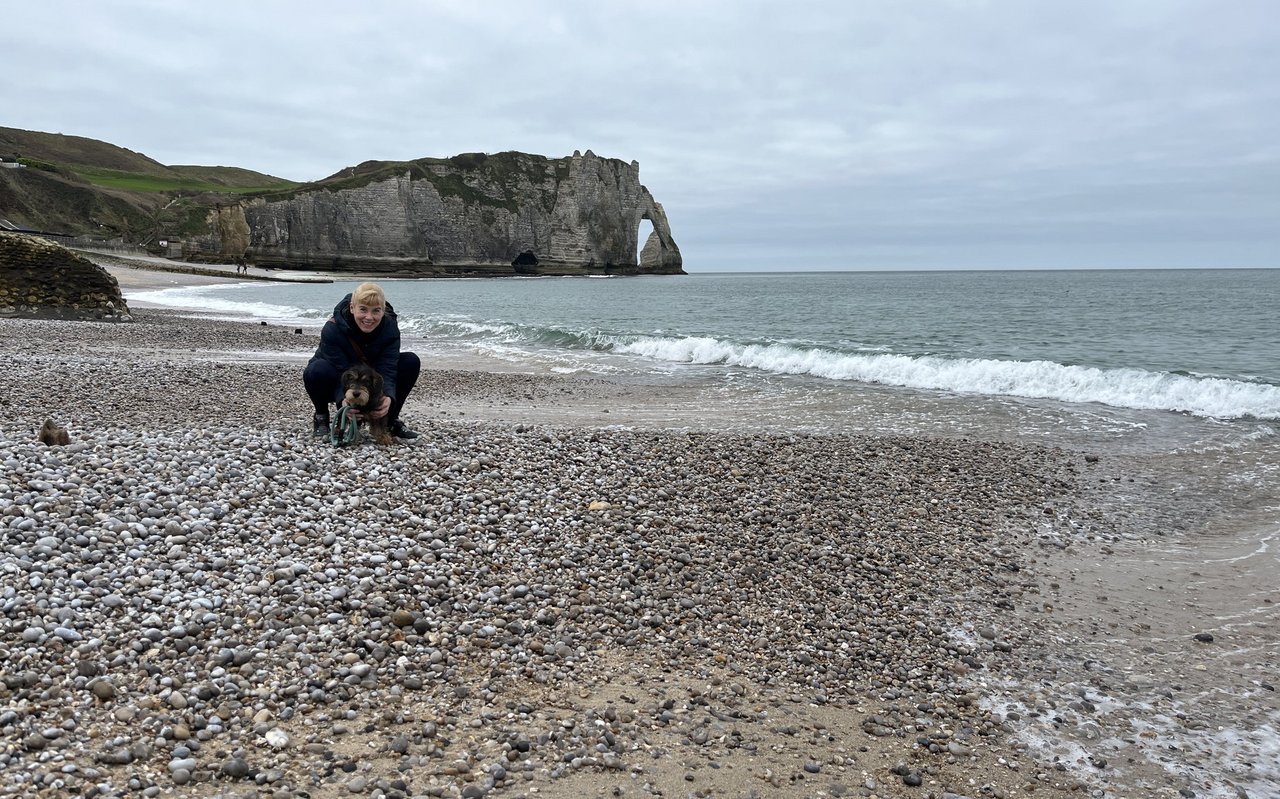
<point x="131" y="280"/>
<point x="137" y="274"/>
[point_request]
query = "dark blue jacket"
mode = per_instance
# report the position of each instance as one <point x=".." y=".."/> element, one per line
<point x="342" y="344"/>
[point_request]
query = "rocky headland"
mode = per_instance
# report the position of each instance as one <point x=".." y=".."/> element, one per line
<point x="473" y="214"/>
<point x="504" y="214"/>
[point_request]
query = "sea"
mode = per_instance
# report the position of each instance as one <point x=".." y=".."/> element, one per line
<point x="1173" y="373"/>
<point x="1139" y="360"/>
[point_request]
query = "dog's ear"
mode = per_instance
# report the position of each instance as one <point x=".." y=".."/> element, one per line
<point x="377" y="384"/>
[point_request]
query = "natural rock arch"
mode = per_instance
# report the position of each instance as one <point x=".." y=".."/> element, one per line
<point x="660" y="253"/>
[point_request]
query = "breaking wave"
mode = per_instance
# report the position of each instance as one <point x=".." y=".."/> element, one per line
<point x="1038" y="379"/>
<point x="1125" y="388"/>
<point x="207" y="301"/>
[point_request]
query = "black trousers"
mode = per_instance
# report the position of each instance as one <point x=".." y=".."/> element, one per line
<point x="321" y="379"/>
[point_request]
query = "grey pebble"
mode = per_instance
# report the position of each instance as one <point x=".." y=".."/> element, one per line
<point x="67" y="634"/>
<point x="183" y="763"/>
<point x="236" y="768"/>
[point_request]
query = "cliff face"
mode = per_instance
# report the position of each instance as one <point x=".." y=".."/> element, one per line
<point x="41" y="279"/>
<point x="472" y="214"/>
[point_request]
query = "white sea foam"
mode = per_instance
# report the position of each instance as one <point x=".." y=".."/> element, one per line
<point x="207" y="301"/>
<point x="1241" y="755"/>
<point x="1124" y="388"/>
<point x="462" y="328"/>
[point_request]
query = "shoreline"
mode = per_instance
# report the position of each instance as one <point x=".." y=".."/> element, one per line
<point x="653" y="618"/>
<point x="127" y="266"/>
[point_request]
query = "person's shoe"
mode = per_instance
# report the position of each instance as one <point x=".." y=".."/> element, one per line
<point x="321" y="425"/>
<point x="398" y="430"/>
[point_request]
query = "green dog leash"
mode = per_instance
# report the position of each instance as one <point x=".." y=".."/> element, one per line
<point x="346" y="428"/>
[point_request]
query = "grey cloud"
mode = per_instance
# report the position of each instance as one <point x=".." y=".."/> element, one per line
<point x="824" y="133"/>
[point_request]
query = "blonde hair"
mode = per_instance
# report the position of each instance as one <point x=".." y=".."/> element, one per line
<point x="370" y="294"/>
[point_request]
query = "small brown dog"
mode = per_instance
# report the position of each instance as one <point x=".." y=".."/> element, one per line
<point x="362" y="390"/>
<point x="52" y="435"/>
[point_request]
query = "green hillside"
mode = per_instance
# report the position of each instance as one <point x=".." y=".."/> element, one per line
<point x="71" y="184"/>
<point x="69" y="151"/>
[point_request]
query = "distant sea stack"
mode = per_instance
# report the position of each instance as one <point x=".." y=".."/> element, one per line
<point x="473" y="214"/>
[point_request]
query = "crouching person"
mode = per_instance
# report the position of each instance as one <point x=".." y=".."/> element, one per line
<point x="363" y="329"/>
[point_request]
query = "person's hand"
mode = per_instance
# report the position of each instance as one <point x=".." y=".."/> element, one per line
<point x="351" y="411"/>
<point x="384" y="407"/>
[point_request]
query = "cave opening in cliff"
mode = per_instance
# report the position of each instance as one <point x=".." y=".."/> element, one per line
<point x="642" y="236"/>
<point x="525" y="262"/>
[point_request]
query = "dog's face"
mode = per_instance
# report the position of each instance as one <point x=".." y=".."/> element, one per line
<point x="361" y="385"/>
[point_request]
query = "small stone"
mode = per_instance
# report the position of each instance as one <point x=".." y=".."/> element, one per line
<point x="276" y="738"/>
<point x="913" y="779"/>
<point x="119" y="756"/>
<point x="403" y="618"/>
<point x="103" y="690"/>
<point x="187" y="764"/>
<point x="236" y="768"/>
<point x="1204" y="638"/>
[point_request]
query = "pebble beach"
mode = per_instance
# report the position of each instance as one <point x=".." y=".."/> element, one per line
<point x="201" y="599"/>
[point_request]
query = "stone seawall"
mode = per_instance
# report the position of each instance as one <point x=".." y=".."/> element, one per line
<point x="41" y="279"/>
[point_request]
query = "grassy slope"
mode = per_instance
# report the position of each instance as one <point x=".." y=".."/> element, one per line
<point x="68" y="151"/>
<point x="107" y="164"/>
<point x="80" y="185"/>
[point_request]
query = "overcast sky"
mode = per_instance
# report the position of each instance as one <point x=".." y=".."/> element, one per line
<point x="846" y="134"/>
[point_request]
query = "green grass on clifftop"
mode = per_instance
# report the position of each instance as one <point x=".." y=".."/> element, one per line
<point x="130" y="181"/>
